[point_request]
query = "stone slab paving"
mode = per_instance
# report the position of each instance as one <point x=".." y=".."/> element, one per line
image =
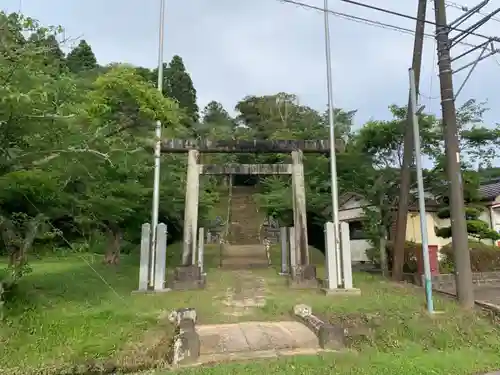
<point x="247" y="293"/>
<point x="239" y="341"/>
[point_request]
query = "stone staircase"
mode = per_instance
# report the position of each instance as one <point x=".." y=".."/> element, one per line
<point x="244" y="248"/>
<point x="244" y="218"/>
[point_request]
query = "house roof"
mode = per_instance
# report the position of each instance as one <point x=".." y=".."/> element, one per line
<point x="489" y="190"/>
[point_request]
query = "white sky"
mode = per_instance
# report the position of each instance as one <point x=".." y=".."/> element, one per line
<point x="234" y="48"/>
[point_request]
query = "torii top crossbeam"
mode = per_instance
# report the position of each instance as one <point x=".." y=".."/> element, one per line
<point x="247" y="146"/>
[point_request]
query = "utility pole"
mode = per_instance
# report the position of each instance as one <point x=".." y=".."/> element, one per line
<point x="404" y="192"/>
<point x="333" y="157"/>
<point x="463" y="273"/>
<point x="157" y="152"/>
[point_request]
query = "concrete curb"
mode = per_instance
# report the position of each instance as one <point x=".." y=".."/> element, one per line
<point x="482" y="304"/>
<point x="329" y="336"/>
<point x="185" y="345"/>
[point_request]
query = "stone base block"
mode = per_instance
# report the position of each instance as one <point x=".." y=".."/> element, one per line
<point x="303" y="277"/>
<point x="302" y="284"/>
<point x="187" y="285"/>
<point x="330" y="336"/>
<point x="304" y="272"/>
<point x="187" y="278"/>
<point x="151" y="291"/>
<point x="185" y="346"/>
<point x="341" y="292"/>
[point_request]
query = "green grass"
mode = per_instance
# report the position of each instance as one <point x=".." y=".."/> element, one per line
<point x="466" y="361"/>
<point x="74" y="310"/>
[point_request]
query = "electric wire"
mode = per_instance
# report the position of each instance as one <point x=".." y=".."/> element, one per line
<point x="431" y="83"/>
<point x="391" y="12"/>
<point x="383" y="25"/>
<point x="465" y="8"/>
<point x="366" y="21"/>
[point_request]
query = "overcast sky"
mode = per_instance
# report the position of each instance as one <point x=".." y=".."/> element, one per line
<point x="234" y="48"/>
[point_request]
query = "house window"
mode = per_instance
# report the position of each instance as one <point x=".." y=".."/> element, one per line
<point x="356" y="231"/>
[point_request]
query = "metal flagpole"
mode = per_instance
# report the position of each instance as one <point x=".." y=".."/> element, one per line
<point x="157" y="153"/>
<point x="333" y="159"/>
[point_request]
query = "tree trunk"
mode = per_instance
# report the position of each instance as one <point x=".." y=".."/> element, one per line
<point x="112" y="255"/>
<point x="18" y="246"/>
<point x="383" y="252"/>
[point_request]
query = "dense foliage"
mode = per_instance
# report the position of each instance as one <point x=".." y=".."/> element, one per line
<point x="73" y="160"/>
<point x="75" y="165"/>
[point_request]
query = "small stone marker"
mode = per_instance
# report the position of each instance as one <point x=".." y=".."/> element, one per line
<point x="345" y="245"/>
<point x="329" y="336"/>
<point x="176" y="316"/>
<point x="284" y="251"/>
<point x="331" y="262"/>
<point x="330" y="258"/>
<point x="304" y="277"/>
<point x="144" y="266"/>
<point x="161" y="257"/>
<point x="185" y="346"/>
<point x="292" y="250"/>
<point x="302" y="311"/>
<point x="201" y="248"/>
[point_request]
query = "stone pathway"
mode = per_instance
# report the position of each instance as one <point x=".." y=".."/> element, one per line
<point x="227" y="342"/>
<point x="248" y="293"/>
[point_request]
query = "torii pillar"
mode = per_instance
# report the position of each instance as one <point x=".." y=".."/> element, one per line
<point x="299" y="208"/>
<point x="191" y="208"/>
<point x="304" y="274"/>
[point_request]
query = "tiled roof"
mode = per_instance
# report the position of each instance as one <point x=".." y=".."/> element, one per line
<point x="489" y="190"/>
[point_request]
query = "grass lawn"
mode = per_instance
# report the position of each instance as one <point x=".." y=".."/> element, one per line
<point x="75" y="311"/>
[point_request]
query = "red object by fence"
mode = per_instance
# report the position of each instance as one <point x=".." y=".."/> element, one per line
<point x="433" y="260"/>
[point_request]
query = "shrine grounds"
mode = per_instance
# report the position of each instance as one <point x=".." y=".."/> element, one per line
<point x="74" y="315"/>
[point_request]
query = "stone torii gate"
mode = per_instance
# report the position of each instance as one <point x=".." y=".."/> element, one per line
<point x="189" y="272"/>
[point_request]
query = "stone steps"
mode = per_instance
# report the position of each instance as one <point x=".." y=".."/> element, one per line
<point x="251" y="264"/>
<point x="245" y="219"/>
<point x="244" y="249"/>
<point x="244" y="256"/>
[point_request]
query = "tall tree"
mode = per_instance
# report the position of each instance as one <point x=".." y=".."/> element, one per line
<point x="81" y="58"/>
<point x="214" y="113"/>
<point x="178" y="85"/>
<point x="51" y="49"/>
<point x="215" y="121"/>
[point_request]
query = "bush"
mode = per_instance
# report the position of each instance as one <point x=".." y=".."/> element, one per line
<point x="483" y="257"/>
<point x="410" y="260"/>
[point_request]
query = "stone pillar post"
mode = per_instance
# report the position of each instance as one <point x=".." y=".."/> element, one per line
<point x="300" y="214"/>
<point x="345" y="245"/>
<point x="144" y="266"/>
<point x="201" y="248"/>
<point x="292" y="252"/>
<point x="284" y="250"/>
<point x="191" y="208"/>
<point x="330" y="258"/>
<point x="161" y="257"/>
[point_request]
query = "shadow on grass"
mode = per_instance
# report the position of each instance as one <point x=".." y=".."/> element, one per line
<point x="57" y="280"/>
<point x="75" y="308"/>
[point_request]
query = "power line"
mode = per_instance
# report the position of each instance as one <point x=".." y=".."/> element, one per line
<point x="465" y="8"/>
<point x="365" y="21"/>
<point x="407" y="16"/>
<point x="386" y="26"/>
